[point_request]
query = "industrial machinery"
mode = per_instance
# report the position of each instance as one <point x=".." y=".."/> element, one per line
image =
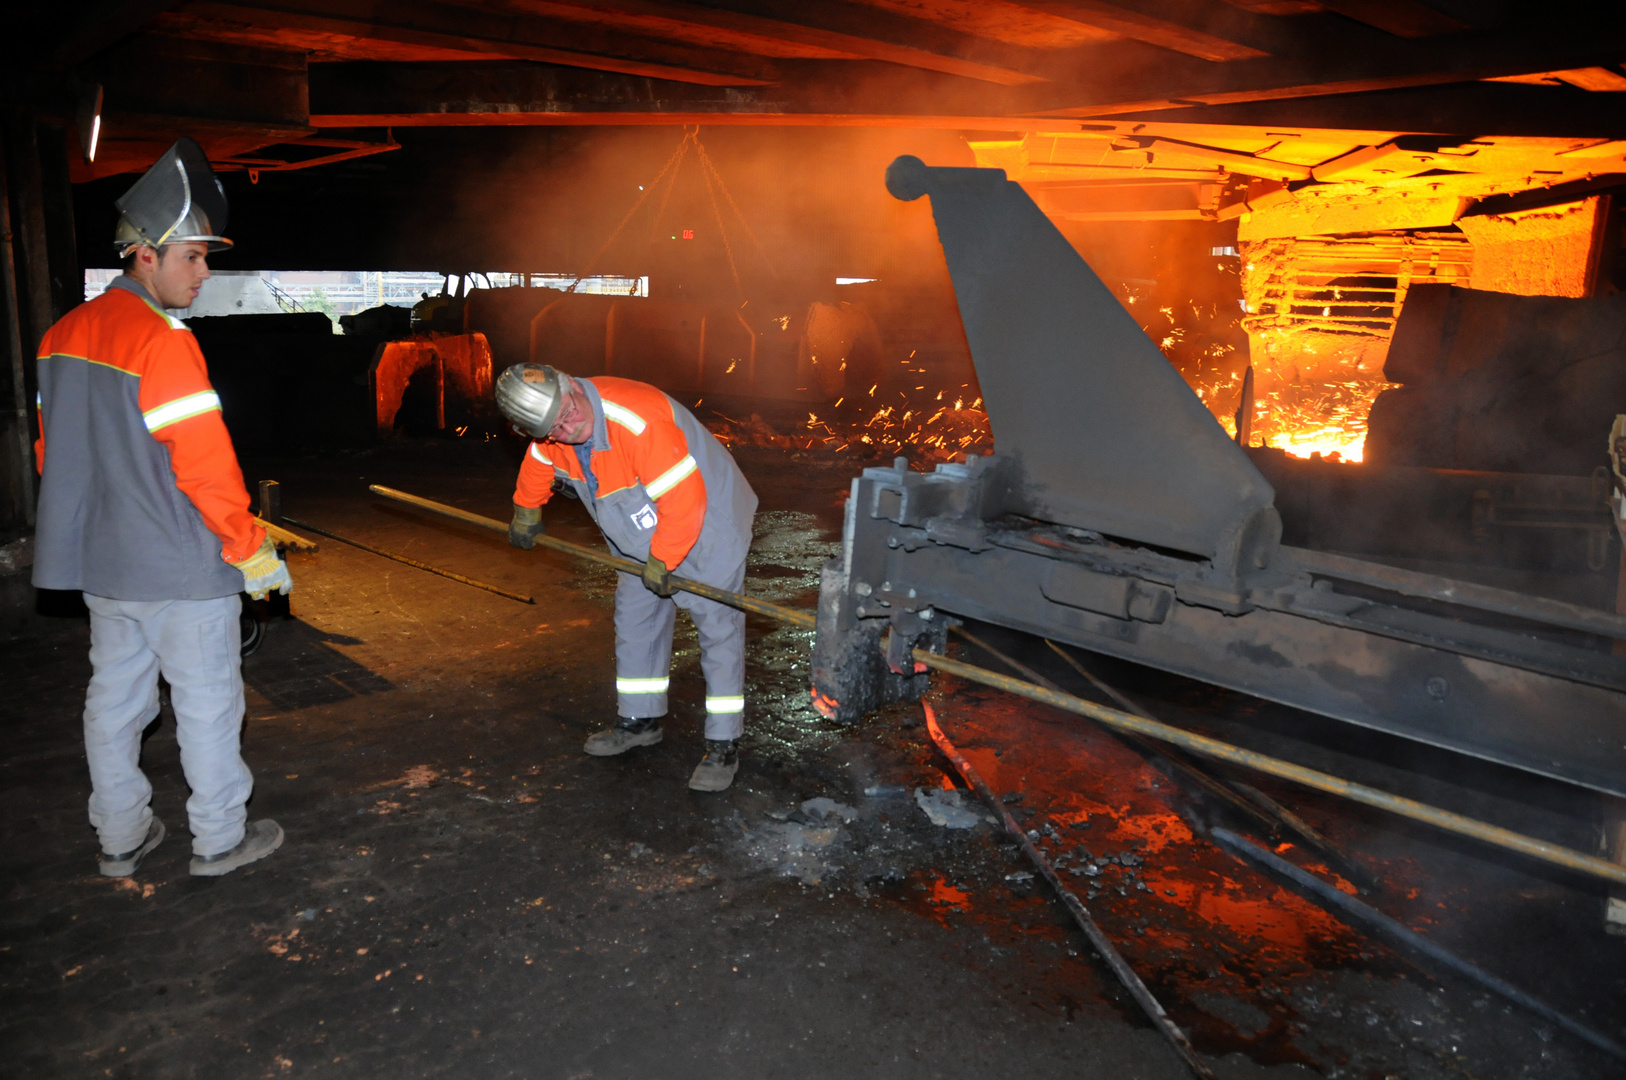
<point x="1118" y="516"/>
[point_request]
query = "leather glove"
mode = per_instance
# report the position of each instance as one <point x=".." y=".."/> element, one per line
<point x="525" y="527"/>
<point x="263" y="571"/>
<point x="657" y="578"/>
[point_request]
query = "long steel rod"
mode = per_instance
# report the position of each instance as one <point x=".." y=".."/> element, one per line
<point x="1556" y="854"/>
<point x="1251" y="804"/>
<point x="1376" y="922"/>
<point x="475" y="583"/>
<point x="795" y="617"/>
<point x="1363" y="878"/>
<point x="1194" y="776"/>
<point x="1075" y="907"/>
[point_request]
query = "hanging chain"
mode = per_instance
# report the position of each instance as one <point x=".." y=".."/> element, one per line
<point x="705" y="161"/>
<point x="671" y="164"/>
<point x="669" y="176"/>
<point x="722" y="230"/>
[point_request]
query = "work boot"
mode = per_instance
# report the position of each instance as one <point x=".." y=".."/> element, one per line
<point x="260" y="839"/>
<point x="127" y="864"/>
<point x="716" y="770"/>
<point x="644" y="731"/>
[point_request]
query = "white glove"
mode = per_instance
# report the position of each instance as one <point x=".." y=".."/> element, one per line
<point x="263" y="571"/>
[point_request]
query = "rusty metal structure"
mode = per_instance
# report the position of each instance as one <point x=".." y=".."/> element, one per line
<point x="1118" y="516"/>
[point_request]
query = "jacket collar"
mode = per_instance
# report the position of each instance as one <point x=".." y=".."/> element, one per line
<point x="601" y="427"/>
<point x="125" y="281"/>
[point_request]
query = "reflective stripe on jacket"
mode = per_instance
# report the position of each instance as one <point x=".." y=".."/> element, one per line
<point x="141" y="497"/>
<point x="666" y="486"/>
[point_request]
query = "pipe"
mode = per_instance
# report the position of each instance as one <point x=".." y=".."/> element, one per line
<point x="411" y="562"/>
<point x="795" y="617"/>
<point x="1376" y="922"/>
<point x="1556" y="854"/>
<point x="1075" y="907"/>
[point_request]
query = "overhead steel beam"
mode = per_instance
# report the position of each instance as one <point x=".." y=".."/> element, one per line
<point x="102" y="25"/>
<point x="1484" y="108"/>
<point x="1320" y="66"/>
<point x="496" y="93"/>
<point x="849" y="29"/>
<point x="451" y="27"/>
<point x="1151" y="27"/>
<point x="1402" y="18"/>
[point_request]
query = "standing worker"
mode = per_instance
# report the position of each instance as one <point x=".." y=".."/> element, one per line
<point x="665" y="493"/>
<point x="142" y="508"/>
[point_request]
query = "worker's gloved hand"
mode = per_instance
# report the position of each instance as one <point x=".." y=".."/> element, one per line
<point x="657" y="578"/>
<point x="263" y="571"/>
<point x="525" y="527"/>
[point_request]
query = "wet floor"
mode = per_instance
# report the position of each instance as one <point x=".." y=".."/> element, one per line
<point x="464" y="894"/>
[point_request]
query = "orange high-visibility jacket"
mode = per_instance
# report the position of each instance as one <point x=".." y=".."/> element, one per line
<point x="666" y="486"/>
<point x="141" y="497"/>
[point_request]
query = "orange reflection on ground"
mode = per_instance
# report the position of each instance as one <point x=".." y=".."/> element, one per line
<point x="945" y="895"/>
<point x="1186" y="916"/>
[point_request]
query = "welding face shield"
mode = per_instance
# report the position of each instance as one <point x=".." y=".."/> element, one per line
<point x="530" y="395"/>
<point x="177" y="201"/>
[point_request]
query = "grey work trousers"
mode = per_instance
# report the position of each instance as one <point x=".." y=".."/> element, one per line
<point x="196" y="646"/>
<point x="643" y="651"/>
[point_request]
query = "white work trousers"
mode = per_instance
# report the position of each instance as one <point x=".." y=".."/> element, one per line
<point x="196" y="646"/>
<point x="643" y="651"/>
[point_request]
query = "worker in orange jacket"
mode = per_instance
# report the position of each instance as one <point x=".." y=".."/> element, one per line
<point x="142" y="508"/>
<point x="666" y="494"/>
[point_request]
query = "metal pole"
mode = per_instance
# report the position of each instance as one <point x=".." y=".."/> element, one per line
<point x="1556" y="854"/>
<point x="1376" y="922"/>
<point x="14" y="347"/>
<point x="803" y="619"/>
<point x="1363" y="878"/>
<point x="1263" y="811"/>
<point x="410" y="562"/>
<point x="1075" y="907"/>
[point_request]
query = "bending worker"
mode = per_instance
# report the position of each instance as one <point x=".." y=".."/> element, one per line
<point x="142" y="508"/>
<point x="665" y="493"/>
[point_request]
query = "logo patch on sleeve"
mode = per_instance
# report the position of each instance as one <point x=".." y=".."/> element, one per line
<point x="645" y="518"/>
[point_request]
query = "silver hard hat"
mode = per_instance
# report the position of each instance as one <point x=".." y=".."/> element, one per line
<point x="177" y="201"/>
<point x="529" y="395"/>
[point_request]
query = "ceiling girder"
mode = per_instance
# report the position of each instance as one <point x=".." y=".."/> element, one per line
<point x="847" y="29"/>
<point x="457" y="28"/>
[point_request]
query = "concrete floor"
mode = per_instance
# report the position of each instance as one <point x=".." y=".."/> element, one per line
<point x="464" y="894"/>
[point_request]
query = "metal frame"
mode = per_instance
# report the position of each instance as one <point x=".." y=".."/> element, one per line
<point x="1118" y="517"/>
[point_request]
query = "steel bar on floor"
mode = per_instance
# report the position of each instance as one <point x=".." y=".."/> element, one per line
<point x="1075" y="907"/>
<point x="1363" y="878"/>
<point x="1196" y="777"/>
<point x="475" y="583"/>
<point x="1261" y="810"/>
<point x="1556" y="854"/>
<point x="1485" y="832"/>
<point x="1375" y="922"/>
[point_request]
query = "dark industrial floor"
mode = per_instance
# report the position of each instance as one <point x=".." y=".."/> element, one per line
<point x="464" y="894"/>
